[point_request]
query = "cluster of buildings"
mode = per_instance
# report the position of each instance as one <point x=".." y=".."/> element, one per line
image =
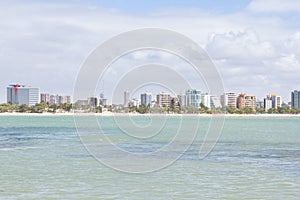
<point x="242" y="101"/>
<point x="192" y="98"/>
<point x="195" y="98"/>
<point x="249" y="101"/>
<point x="55" y="99"/>
<point x="22" y="94"/>
<point x="93" y="101"/>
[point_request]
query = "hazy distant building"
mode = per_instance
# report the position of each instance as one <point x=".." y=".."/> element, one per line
<point x="134" y="103"/>
<point x="58" y="99"/>
<point x="93" y="102"/>
<point x="260" y="104"/>
<point x="193" y="98"/>
<point x="21" y="94"/>
<point x="52" y="99"/>
<point x="126" y="98"/>
<point x="61" y="100"/>
<point x="82" y="102"/>
<point x="181" y="100"/>
<point x="295" y="99"/>
<point x="285" y="105"/>
<point x="146" y="99"/>
<point x="246" y="101"/>
<point x="102" y="100"/>
<point x="175" y="102"/>
<point x="163" y="99"/>
<point x="229" y="99"/>
<point x="68" y="99"/>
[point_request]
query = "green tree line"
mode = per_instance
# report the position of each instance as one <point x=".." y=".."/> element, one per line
<point x="37" y="108"/>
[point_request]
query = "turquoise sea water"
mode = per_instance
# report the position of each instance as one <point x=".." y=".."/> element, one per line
<point x="255" y="158"/>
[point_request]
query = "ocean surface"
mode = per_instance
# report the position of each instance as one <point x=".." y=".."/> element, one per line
<point x="255" y="158"/>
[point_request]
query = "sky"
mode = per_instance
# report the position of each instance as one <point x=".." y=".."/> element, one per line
<point x="255" y="45"/>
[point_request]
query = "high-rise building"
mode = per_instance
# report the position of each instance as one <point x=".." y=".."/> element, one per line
<point x="45" y="98"/>
<point x="163" y="99"/>
<point x="229" y="99"/>
<point x="267" y="104"/>
<point x="93" y="101"/>
<point x="295" y="99"/>
<point x="205" y="99"/>
<point x="126" y="98"/>
<point x="246" y="101"/>
<point x="146" y="99"/>
<point x="215" y="102"/>
<point x="193" y="98"/>
<point x="181" y="100"/>
<point x="276" y="100"/>
<point x="21" y="94"/>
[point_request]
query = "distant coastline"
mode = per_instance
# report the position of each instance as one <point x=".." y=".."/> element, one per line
<point x="108" y="114"/>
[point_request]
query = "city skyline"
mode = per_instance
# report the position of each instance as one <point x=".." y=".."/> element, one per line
<point x="191" y="97"/>
<point x="257" y="49"/>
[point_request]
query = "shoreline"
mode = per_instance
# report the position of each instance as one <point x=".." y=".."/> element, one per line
<point x="109" y="114"/>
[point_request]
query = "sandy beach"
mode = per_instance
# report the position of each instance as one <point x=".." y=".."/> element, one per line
<point x="108" y="114"/>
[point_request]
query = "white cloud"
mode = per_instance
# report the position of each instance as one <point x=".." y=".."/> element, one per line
<point x="242" y="47"/>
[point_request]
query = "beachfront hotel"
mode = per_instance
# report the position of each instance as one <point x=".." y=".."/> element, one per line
<point x="21" y="94"/>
